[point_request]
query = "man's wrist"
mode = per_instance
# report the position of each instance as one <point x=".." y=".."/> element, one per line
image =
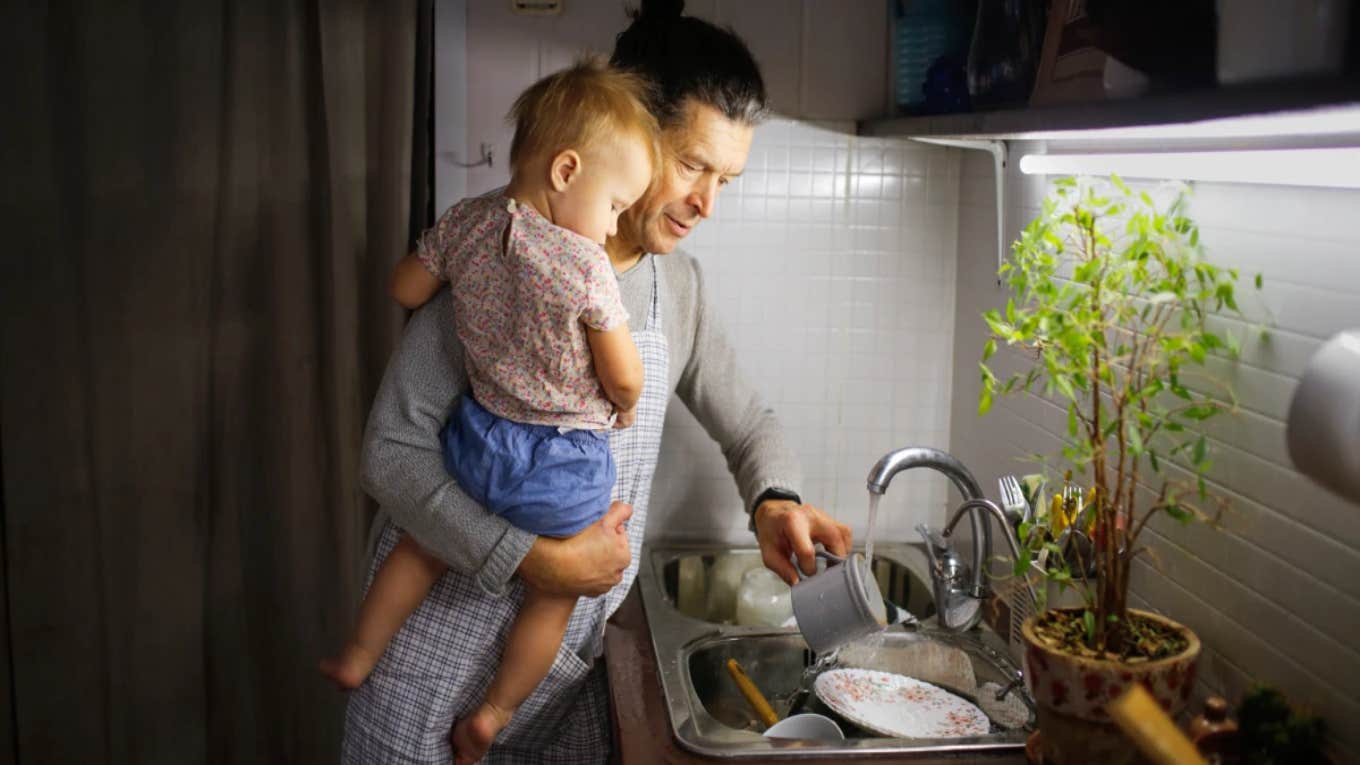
<point x="775" y="494"/>
<point x="537" y="559"/>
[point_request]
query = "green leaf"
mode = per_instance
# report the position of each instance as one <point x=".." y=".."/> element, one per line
<point x="1258" y="281"/>
<point x="989" y="348"/>
<point x="1201" y="450"/>
<point x="1201" y="412"/>
<point x="1085" y="271"/>
<point x="1090" y="621"/>
<point x="984" y="401"/>
<point x="1179" y="513"/>
<point x="1135" y="441"/>
<point x="1065" y="386"/>
<point x="1109" y="429"/>
<point x="1072" y="420"/>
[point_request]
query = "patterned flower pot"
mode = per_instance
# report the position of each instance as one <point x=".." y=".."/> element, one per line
<point x="1071" y="693"/>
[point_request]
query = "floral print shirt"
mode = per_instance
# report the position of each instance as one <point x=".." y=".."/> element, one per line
<point x="524" y="292"/>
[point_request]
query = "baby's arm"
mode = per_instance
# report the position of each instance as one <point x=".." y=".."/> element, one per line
<point x="412" y="283"/>
<point x="617" y="364"/>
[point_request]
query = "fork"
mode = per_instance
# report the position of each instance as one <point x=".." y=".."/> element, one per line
<point x="1013" y="500"/>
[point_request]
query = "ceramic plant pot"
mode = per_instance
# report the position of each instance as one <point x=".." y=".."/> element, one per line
<point x="1071" y="693"/>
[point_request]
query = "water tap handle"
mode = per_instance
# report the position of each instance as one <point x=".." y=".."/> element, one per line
<point x="936" y="545"/>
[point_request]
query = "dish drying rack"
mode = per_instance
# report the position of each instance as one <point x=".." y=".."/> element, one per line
<point x="1016" y="593"/>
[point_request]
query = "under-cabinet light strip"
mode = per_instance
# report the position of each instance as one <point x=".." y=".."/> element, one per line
<point x="1302" y="124"/>
<point x="1334" y="168"/>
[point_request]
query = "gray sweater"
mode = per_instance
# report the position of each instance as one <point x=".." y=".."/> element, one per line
<point x="402" y="463"/>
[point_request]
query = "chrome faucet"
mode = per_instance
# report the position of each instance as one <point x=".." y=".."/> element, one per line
<point x="946" y="590"/>
<point x="979" y="590"/>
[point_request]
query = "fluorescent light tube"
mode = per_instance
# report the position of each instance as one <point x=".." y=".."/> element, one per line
<point x="1325" y="121"/>
<point x="1335" y="168"/>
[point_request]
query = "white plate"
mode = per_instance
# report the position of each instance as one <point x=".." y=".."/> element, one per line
<point x="899" y="706"/>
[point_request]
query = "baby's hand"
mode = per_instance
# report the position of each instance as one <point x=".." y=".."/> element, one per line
<point x="625" y="418"/>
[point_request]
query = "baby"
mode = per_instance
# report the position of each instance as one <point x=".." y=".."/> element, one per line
<point x="549" y="357"/>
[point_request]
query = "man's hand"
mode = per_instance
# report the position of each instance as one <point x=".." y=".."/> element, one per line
<point x="785" y="528"/>
<point x="585" y="565"/>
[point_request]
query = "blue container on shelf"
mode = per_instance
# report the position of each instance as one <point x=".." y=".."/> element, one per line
<point x="926" y="33"/>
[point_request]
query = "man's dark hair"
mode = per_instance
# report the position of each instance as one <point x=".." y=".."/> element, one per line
<point x="689" y="58"/>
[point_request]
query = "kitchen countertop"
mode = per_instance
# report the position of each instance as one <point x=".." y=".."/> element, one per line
<point x="642" y="729"/>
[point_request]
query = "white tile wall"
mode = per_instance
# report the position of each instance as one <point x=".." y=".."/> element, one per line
<point x="832" y="264"/>
<point x="1275" y="594"/>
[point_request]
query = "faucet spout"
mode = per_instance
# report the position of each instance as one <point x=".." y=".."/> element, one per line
<point x="908" y="457"/>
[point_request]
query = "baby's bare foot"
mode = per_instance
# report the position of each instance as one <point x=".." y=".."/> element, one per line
<point x="350" y="667"/>
<point x="474" y="734"/>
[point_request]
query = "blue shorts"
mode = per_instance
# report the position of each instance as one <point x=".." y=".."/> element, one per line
<point x="542" y="481"/>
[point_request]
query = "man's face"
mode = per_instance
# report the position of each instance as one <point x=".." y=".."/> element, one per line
<point x="703" y="153"/>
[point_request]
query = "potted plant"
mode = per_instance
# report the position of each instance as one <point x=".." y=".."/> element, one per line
<point x="1111" y="292"/>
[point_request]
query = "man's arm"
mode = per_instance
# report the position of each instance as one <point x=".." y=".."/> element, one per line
<point x="402" y="467"/>
<point x="753" y="443"/>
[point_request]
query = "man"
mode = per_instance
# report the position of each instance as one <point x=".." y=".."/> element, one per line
<point x="709" y="99"/>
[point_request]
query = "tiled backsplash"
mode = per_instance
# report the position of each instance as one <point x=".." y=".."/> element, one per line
<point x="1274" y="594"/>
<point x="832" y="263"/>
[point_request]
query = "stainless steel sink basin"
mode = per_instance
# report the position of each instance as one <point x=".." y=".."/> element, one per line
<point x="710" y="717"/>
<point x="899" y="582"/>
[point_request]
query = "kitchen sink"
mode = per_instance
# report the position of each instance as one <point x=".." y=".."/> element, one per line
<point x="697" y="596"/>
<point x="709" y="715"/>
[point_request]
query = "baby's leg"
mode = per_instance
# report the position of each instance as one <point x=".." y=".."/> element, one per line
<point x="401" y="583"/>
<point x="533" y="642"/>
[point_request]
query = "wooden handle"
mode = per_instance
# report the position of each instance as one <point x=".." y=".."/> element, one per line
<point x="753" y="695"/>
<point x="1145" y="722"/>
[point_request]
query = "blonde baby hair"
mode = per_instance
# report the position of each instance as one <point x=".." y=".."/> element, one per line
<point x="582" y="107"/>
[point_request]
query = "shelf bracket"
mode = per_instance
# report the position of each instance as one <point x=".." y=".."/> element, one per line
<point x="998" y="151"/>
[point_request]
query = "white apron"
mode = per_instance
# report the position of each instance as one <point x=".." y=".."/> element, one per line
<point x="439" y="665"/>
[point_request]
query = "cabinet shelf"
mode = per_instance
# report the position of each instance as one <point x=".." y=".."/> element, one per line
<point x="1293" y="95"/>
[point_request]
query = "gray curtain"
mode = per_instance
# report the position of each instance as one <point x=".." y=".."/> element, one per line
<point x="201" y="204"/>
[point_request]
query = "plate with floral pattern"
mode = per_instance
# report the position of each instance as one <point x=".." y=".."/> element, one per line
<point x="899" y="706"/>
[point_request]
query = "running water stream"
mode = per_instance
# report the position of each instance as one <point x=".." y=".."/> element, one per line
<point x="869" y="532"/>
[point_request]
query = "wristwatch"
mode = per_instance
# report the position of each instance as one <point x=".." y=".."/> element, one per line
<point x="772" y="493"/>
